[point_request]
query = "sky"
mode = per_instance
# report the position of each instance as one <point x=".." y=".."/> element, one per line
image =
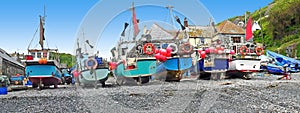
<point x="66" y="19"/>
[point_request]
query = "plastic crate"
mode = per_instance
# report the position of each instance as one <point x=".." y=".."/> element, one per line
<point x="3" y="90"/>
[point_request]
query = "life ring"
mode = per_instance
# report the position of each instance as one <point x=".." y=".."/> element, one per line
<point x="94" y="66"/>
<point x="149" y="48"/>
<point x="259" y="51"/>
<point x="184" y="49"/>
<point x="174" y="48"/>
<point x="242" y="50"/>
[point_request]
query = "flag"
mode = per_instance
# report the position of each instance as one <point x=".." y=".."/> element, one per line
<point x="255" y="26"/>
<point x="178" y="21"/>
<point x="42" y="38"/>
<point x="249" y="29"/>
<point x="135" y="22"/>
<point x="125" y="26"/>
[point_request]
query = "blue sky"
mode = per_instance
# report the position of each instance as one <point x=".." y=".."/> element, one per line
<point x="20" y="18"/>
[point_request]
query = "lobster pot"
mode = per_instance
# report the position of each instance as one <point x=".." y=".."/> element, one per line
<point x="3" y="90"/>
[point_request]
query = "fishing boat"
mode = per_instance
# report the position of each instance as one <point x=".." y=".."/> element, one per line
<point x="280" y="62"/>
<point x="174" y="55"/>
<point x="213" y="63"/>
<point x="42" y="65"/>
<point x="67" y="77"/>
<point x="245" y="62"/>
<point x="133" y="57"/>
<point x="92" y="68"/>
<point x="175" y="65"/>
<point x="136" y="65"/>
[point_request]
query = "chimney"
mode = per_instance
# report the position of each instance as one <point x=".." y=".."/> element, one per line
<point x="186" y="24"/>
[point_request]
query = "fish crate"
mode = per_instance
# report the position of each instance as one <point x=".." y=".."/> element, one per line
<point x="3" y="90"/>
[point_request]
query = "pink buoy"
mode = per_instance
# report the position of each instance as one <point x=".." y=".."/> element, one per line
<point x="163" y="52"/>
<point x="159" y="57"/>
<point x="164" y="58"/>
<point x="207" y="50"/>
<point x="169" y="49"/>
<point x="156" y="56"/>
<point x="220" y="51"/>
<point x="169" y="54"/>
<point x="216" y="50"/>
<point x="218" y="47"/>
<point x="199" y="51"/>
<point x="156" y="51"/>
<point x="222" y="48"/>
<point x="76" y="74"/>
<point x="203" y="54"/>
<point x="232" y="52"/>
<point x="211" y="49"/>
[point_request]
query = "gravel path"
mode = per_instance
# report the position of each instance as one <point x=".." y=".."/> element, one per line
<point x="260" y="94"/>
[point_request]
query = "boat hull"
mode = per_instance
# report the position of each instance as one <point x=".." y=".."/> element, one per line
<point x="242" y="68"/>
<point x="216" y="65"/>
<point x="139" y="74"/>
<point x="274" y="69"/>
<point x="144" y="67"/>
<point x="43" y="74"/>
<point x="215" y="69"/>
<point x="173" y="68"/>
<point x="88" y="78"/>
<point x="45" y="80"/>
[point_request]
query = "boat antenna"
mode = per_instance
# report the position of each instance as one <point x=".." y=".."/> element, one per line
<point x="171" y="13"/>
<point x="84" y="39"/>
<point x="44" y="17"/>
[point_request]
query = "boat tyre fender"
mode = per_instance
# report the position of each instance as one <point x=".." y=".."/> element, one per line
<point x="149" y="48"/>
<point x="174" y="48"/>
<point x="92" y="66"/>
<point x="186" y="47"/>
<point x="139" y="48"/>
<point x="259" y="51"/>
<point x="244" y="50"/>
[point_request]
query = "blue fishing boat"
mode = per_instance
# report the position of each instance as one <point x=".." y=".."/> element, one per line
<point x="67" y="77"/>
<point x="173" y="68"/>
<point x="174" y="55"/>
<point x="212" y="68"/>
<point x="281" y="60"/>
<point x="42" y="65"/>
<point x="42" y="71"/>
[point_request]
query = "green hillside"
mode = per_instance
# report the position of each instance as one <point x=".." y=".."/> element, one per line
<point x="280" y="23"/>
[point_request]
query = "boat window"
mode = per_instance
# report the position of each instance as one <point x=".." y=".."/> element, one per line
<point x="39" y="55"/>
<point x="45" y="54"/>
<point x="33" y="54"/>
<point x="124" y="51"/>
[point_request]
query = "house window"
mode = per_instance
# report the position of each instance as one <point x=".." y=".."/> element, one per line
<point x="236" y="39"/>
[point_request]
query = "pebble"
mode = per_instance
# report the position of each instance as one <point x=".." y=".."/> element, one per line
<point x="260" y="94"/>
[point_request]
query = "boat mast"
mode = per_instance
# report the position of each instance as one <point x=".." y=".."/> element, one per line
<point x="171" y="12"/>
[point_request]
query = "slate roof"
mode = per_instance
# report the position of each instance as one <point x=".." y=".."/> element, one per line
<point x="6" y="56"/>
